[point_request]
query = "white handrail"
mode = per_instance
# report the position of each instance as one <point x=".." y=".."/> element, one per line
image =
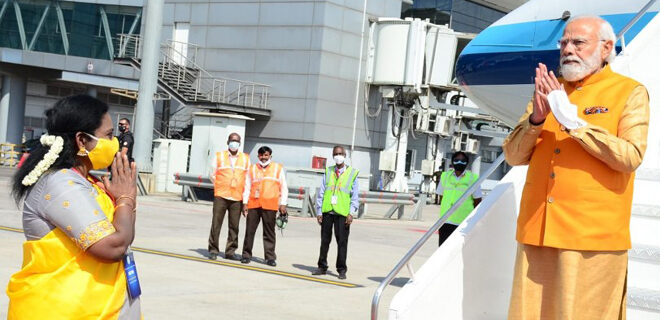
<point x="406" y="258"/>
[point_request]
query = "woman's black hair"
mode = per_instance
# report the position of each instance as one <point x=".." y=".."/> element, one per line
<point x="70" y="115"/>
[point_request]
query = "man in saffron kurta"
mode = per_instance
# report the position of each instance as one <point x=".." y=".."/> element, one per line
<point x="573" y="227"/>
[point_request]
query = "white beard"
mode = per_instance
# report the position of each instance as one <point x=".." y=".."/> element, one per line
<point x="572" y="72"/>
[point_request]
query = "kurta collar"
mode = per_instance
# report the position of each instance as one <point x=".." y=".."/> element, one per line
<point x="604" y="73"/>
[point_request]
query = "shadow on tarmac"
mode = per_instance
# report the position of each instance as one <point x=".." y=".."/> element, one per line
<point x="397" y="282"/>
<point x="311" y="269"/>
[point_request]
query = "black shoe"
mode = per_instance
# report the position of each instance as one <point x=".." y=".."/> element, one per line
<point x="213" y="256"/>
<point x="271" y="263"/>
<point x="319" y="272"/>
<point x="245" y="260"/>
<point x="342" y="275"/>
<point x="232" y="257"/>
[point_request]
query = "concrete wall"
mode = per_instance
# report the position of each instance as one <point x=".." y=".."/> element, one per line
<point x="308" y="51"/>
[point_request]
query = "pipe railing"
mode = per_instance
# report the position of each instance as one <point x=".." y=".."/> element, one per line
<point x="622" y="32"/>
<point x="404" y="262"/>
<point x="189" y="74"/>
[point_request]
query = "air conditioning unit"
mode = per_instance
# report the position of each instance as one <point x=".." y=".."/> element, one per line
<point x="422" y="122"/>
<point x="442" y="125"/>
<point x="456" y="144"/>
<point x="387" y="161"/>
<point x="472" y="146"/>
<point x="428" y="167"/>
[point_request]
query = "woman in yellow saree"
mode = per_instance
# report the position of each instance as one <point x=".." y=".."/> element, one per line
<point x="78" y="229"/>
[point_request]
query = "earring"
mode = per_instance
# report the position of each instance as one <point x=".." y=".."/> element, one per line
<point x="82" y="152"/>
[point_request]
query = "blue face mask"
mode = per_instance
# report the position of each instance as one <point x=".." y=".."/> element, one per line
<point x="233" y="145"/>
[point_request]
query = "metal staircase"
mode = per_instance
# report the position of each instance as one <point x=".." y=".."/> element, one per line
<point x="182" y="79"/>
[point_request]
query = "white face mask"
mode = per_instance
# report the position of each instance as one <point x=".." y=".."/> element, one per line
<point x="339" y="159"/>
<point x="233" y="145"/>
<point x="264" y="163"/>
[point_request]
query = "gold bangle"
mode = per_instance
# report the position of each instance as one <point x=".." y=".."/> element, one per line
<point x="125" y="205"/>
<point x="127" y="197"/>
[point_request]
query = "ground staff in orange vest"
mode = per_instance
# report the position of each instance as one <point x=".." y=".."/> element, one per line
<point x="583" y="136"/>
<point x="265" y="193"/>
<point x="228" y="173"/>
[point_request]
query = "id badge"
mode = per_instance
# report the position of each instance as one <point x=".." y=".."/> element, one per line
<point x="132" y="281"/>
<point x="256" y="193"/>
<point x="333" y="200"/>
<point x="233" y="183"/>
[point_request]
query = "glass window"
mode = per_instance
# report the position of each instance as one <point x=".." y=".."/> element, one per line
<point x="83" y="23"/>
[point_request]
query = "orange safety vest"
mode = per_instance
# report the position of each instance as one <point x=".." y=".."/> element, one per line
<point x="265" y="186"/>
<point x="572" y="200"/>
<point x="230" y="180"/>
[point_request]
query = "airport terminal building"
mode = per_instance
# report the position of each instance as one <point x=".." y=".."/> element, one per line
<point x="293" y="71"/>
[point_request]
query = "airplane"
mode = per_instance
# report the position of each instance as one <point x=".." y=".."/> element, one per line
<point x="470" y="275"/>
<point x="496" y="69"/>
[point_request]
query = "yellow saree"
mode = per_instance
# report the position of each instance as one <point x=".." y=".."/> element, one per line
<point x="59" y="280"/>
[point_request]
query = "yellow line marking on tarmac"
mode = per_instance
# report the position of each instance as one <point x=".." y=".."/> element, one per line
<point x="228" y="264"/>
<point x="11" y="229"/>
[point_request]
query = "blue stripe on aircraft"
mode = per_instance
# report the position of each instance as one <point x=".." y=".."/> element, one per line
<point x="514" y="63"/>
<point x="542" y="35"/>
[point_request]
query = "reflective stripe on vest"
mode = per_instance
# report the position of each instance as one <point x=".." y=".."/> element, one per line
<point x="230" y="180"/>
<point x="453" y="188"/>
<point x="341" y="188"/>
<point x="265" y="186"/>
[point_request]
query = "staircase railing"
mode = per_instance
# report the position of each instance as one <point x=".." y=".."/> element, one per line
<point x="186" y="76"/>
<point x="622" y="32"/>
<point x="405" y="261"/>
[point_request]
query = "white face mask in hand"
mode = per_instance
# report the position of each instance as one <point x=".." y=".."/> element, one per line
<point x="564" y="111"/>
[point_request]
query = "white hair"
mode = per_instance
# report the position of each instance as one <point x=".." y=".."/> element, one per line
<point x="606" y="33"/>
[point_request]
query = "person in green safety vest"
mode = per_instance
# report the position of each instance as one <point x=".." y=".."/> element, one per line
<point x="452" y="185"/>
<point x="336" y="203"/>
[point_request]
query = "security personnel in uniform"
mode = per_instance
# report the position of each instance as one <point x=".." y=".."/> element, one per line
<point x="228" y="173"/>
<point x="265" y="193"/>
<point x="125" y="138"/>
<point x="452" y="185"/>
<point x="336" y="203"/>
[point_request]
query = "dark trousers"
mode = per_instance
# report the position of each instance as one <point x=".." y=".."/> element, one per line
<point x="338" y="223"/>
<point x="445" y="231"/>
<point x="220" y="206"/>
<point x="253" y="218"/>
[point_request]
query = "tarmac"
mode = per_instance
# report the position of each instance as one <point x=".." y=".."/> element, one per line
<point x="179" y="282"/>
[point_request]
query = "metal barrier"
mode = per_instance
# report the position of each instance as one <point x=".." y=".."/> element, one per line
<point x="10" y="154"/>
<point x="397" y="200"/>
<point x="405" y="261"/>
<point x="99" y="174"/>
<point x="188" y="181"/>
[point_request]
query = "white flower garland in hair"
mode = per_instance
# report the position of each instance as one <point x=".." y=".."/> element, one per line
<point x="56" y="144"/>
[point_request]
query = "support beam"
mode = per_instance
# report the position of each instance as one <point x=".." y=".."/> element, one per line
<point x="60" y="21"/>
<point x="106" y="31"/>
<point x="144" y="112"/>
<point x="12" y="109"/>
<point x="40" y="26"/>
<point x="3" y="9"/>
<point x="21" y="26"/>
<point x="122" y="50"/>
